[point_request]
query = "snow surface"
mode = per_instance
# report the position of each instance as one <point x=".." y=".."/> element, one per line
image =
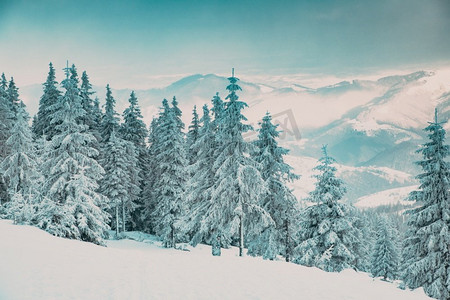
<point x="36" y="265"/>
<point x="388" y="197"/>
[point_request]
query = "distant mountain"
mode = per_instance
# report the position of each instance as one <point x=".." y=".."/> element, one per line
<point x="368" y="124"/>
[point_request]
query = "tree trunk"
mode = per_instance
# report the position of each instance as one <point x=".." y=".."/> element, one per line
<point x="172" y="235"/>
<point x="241" y="235"/>
<point x="123" y="217"/>
<point x="117" y="221"/>
<point x="288" y="244"/>
<point x="215" y="245"/>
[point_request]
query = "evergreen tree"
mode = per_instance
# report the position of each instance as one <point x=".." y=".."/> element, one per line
<point x="72" y="207"/>
<point x="234" y="210"/>
<point x="150" y="179"/>
<point x="218" y="108"/>
<point x="192" y="136"/>
<point x="97" y="114"/>
<point x="19" y="169"/>
<point x="6" y="125"/>
<point x="385" y="258"/>
<point x="170" y="167"/>
<point x="177" y="112"/>
<point x="426" y="250"/>
<point x="87" y="103"/>
<point x="117" y="184"/>
<point x="110" y="120"/>
<point x="13" y="98"/>
<point x="74" y="76"/>
<point x="200" y="184"/>
<point x="134" y="130"/>
<point x="279" y="201"/>
<point x="328" y="238"/>
<point x="42" y="126"/>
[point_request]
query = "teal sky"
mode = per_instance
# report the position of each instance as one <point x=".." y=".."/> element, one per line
<point x="128" y="43"/>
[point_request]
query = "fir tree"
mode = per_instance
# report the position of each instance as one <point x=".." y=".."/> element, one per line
<point x="13" y="98"/>
<point x="120" y="160"/>
<point x="426" y="253"/>
<point x="110" y="120"/>
<point x="234" y="209"/>
<point x="43" y="125"/>
<point x="192" y="136"/>
<point x="19" y="169"/>
<point x="218" y="108"/>
<point x="177" y="112"/>
<point x="279" y="201"/>
<point x="201" y="182"/>
<point x="88" y="105"/>
<point x="328" y="238"/>
<point x="150" y="179"/>
<point x="6" y="118"/>
<point x="385" y="257"/>
<point x="134" y="130"/>
<point x="170" y="167"/>
<point x="72" y="207"/>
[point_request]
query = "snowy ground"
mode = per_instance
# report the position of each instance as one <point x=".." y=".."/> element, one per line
<point x="36" y="265"/>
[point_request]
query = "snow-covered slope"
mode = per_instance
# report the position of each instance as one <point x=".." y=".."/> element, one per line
<point x="391" y="197"/>
<point x="36" y="265"/>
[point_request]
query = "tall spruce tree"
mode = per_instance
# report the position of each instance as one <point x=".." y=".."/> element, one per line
<point x="6" y="125"/>
<point x="201" y="182"/>
<point x="279" y="201"/>
<point x="150" y="179"/>
<point x="13" y="98"/>
<point x="170" y="165"/>
<point x="19" y="169"/>
<point x="426" y="249"/>
<point x="328" y="238"/>
<point x="385" y="256"/>
<point x="133" y="129"/>
<point x="234" y="209"/>
<point x="110" y="120"/>
<point x="120" y="161"/>
<point x="192" y="136"/>
<point x="87" y="103"/>
<point x="72" y="207"/>
<point x="43" y="125"/>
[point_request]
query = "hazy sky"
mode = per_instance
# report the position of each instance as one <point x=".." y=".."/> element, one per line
<point x="128" y="43"/>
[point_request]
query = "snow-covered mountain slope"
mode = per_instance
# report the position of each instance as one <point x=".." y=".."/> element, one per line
<point x="390" y="197"/>
<point x="36" y="265"/>
<point x="366" y="122"/>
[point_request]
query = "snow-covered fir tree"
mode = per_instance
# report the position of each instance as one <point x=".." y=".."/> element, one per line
<point x="385" y="256"/>
<point x="13" y="98"/>
<point x="150" y="179"/>
<point x="19" y="170"/>
<point x="200" y="183"/>
<point x="234" y="209"/>
<point x="90" y="118"/>
<point x="279" y="201"/>
<point x="170" y="170"/>
<point x="118" y="185"/>
<point x="327" y="237"/>
<point x="178" y="113"/>
<point x="426" y="251"/>
<point x="6" y="125"/>
<point x="110" y="120"/>
<point x="133" y="129"/>
<point x="71" y="206"/>
<point x="42" y="125"/>
<point x="192" y="136"/>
